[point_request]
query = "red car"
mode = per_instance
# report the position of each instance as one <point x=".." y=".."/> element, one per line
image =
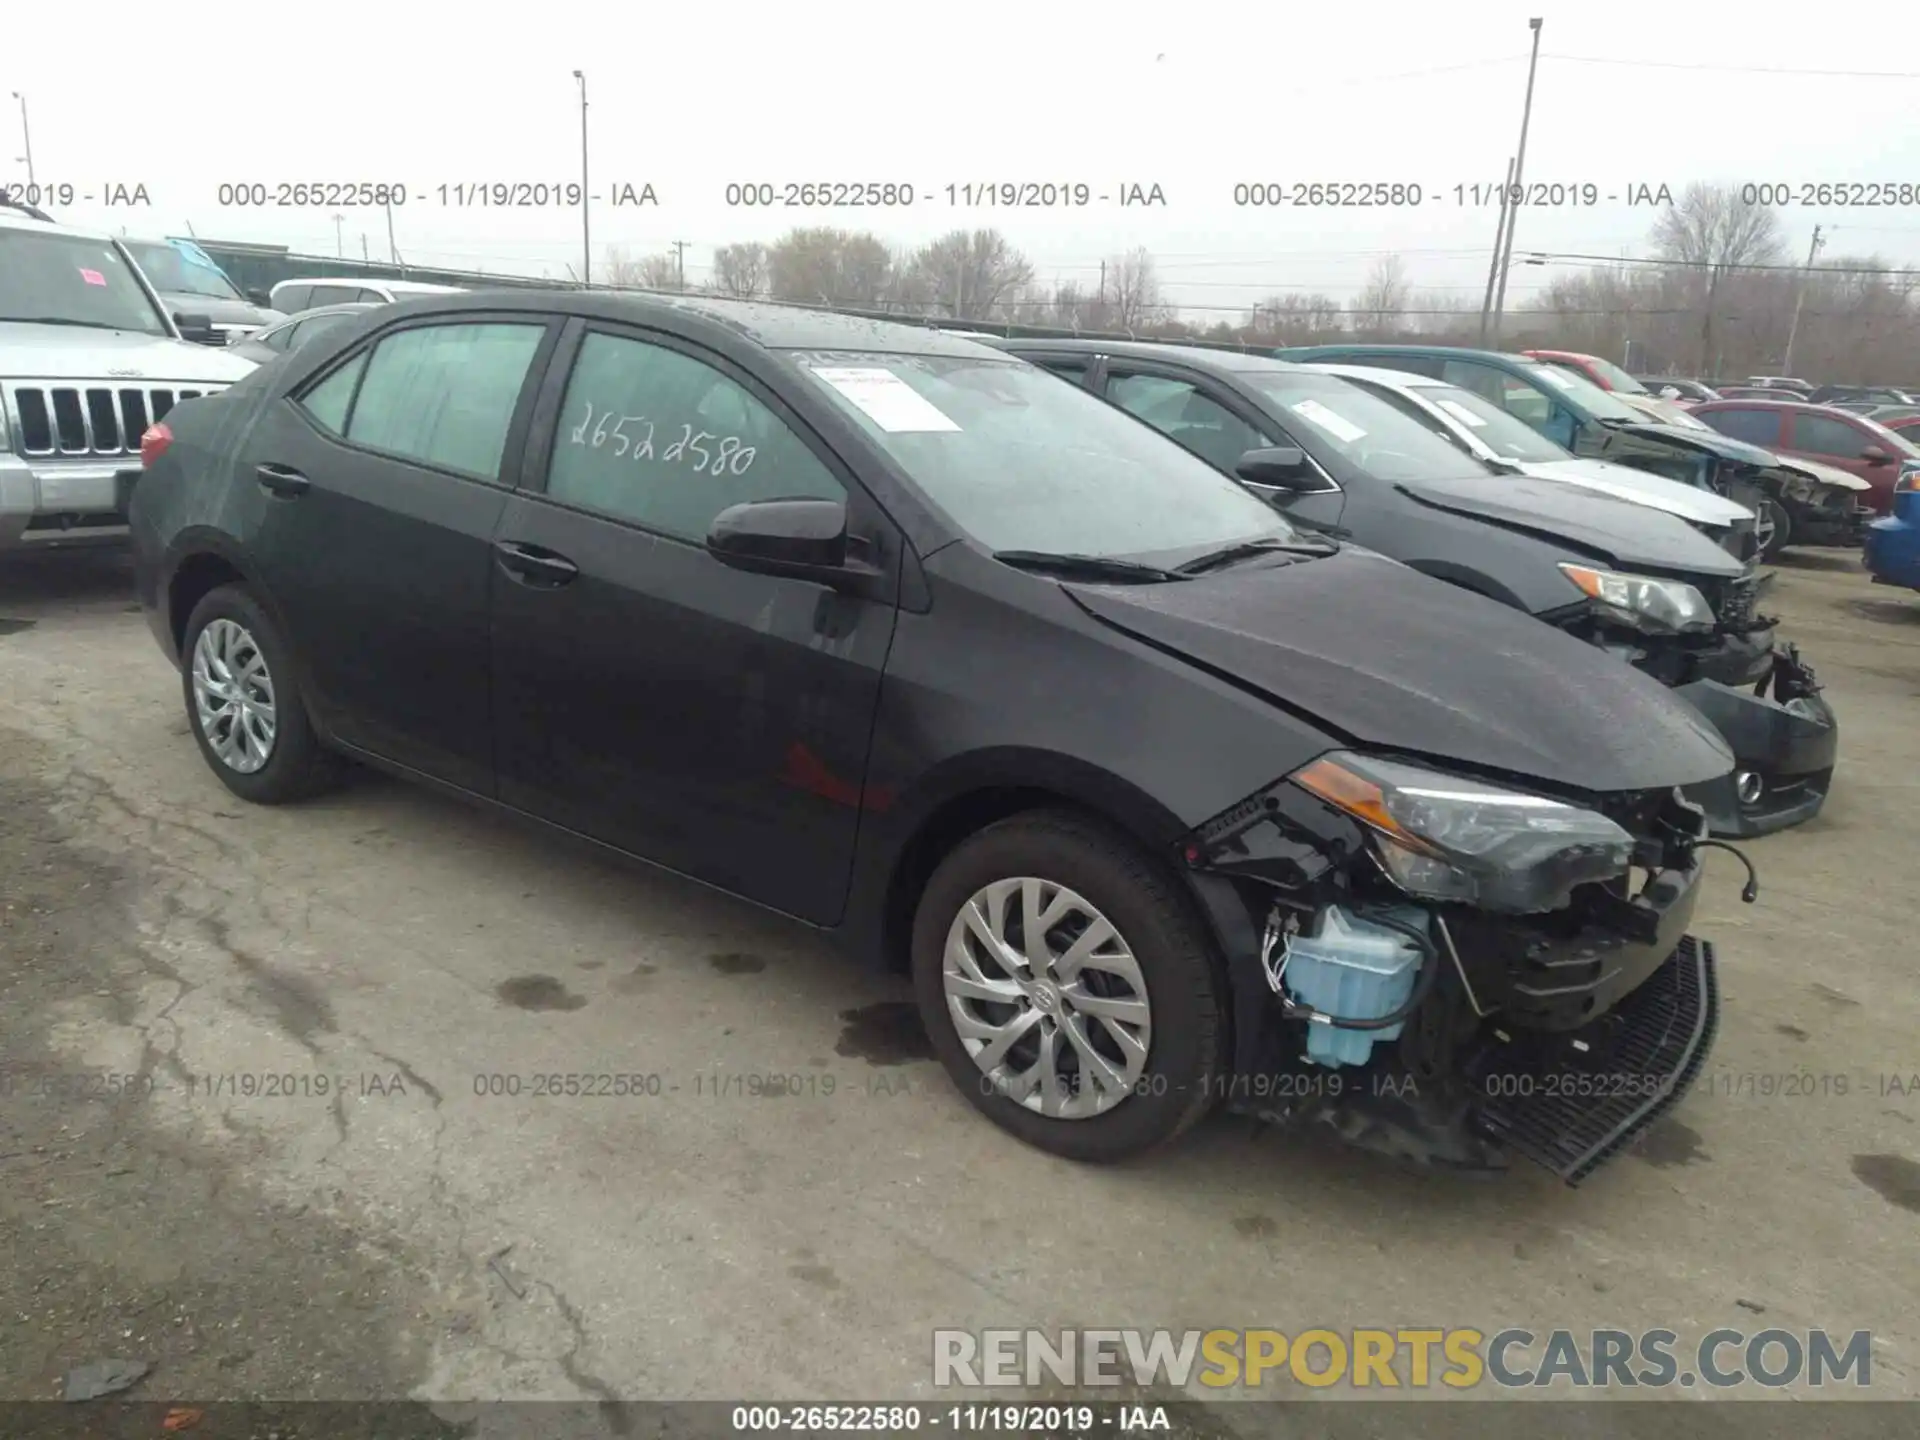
<point x="1876" y="453"/>
<point x="1602" y="372"/>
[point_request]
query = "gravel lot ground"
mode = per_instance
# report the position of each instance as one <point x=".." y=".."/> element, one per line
<point x="405" y="1236"/>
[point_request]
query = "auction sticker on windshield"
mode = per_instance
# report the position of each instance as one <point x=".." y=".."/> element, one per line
<point x="1461" y="413"/>
<point x="884" y="398"/>
<point x="1337" y="426"/>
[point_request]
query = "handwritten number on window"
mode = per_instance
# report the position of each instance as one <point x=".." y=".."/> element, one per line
<point x="729" y="456"/>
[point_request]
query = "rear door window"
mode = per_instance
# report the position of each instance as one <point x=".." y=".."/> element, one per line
<point x="445" y="395"/>
<point x="1823" y="435"/>
<point x="331" y="295"/>
<point x="291" y="299"/>
<point x="1755" y="426"/>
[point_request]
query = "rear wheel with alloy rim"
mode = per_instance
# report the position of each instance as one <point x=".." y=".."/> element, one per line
<point x="244" y="704"/>
<point x="1069" y="988"/>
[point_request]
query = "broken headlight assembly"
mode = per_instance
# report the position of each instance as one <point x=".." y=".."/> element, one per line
<point x="1658" y="607"/>
<point x="1442" y="837"/>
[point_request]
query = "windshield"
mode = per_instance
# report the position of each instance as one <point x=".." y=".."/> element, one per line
<point x="1580" y="391"/>
<point x="1892" y="441"/>
<point x="173" y="270"/>
<point x="1024" y="460"/>
<point x="66" y="279"/>
<point x="1329" y="415"/>
<point x="1507" y="437"/>
<point x="1617" y="378"/>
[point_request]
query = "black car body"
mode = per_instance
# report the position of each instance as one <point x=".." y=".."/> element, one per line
<point x="294" y="331"/>
<point x="883" y="630"/>
<point x="1398" y="489"/>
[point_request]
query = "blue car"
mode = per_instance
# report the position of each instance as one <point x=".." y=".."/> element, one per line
<point x="1893" y="541"/>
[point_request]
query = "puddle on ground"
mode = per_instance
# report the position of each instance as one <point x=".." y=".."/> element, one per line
<point x="1668" y="1142"/>
<point x="1894" y="1178"/>
<point x="538" y="992"/>
<point x="888" y="1033"/>
<point x="736" y="962"/>
<point x="14" y="627"/>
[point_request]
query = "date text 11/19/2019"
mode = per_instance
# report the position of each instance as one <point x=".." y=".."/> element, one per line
<point x="997" y="1419"/>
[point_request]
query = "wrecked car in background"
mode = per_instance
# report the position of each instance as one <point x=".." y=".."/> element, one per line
<point x="1163" y="802"/>
<point x="1641" y="584"/>
<point x="1579" y="416"/>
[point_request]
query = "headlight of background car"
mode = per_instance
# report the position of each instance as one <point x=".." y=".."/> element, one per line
<point x="1660" y="607"/>
<point x="1442" y="837"/>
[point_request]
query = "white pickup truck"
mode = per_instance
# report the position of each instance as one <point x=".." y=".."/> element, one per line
<point x="89" y="357"/>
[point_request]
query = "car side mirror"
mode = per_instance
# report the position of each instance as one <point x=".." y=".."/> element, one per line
<point x="195" y="327"/>
<point x="1874" y="455"/>
<point x="798" y="539"/>
<point x="1278" y="467"/>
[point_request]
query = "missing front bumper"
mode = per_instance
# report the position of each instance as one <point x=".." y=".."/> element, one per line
<point x="1784" y="746"/>
<point x="1572" y="1101"/>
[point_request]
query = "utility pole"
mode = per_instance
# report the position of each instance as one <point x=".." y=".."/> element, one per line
<point x="1519" y="182"/>
<point x="680" y="263"/>
<point x="1799" y="298"/>
<point x="1493" y="265"/>
<point x="363" y="247"/>
<point x="340" y="236"/>
<point x="393" y="250"/>
<point x="586" y="231"/>
<point x="26" y="139"/>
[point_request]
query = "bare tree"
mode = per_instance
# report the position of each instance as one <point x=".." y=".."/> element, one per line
<point x="619" y="269"/>
<point x="971" y="274"/>
<point x="1293" y="319"/>
<point x="1132" y="291"/>
<point x="1381" y="306"/>
<point x="825" y="266"/>
<point x="1714" y="230"/>
<point x="661" y="272"/>
<point x="740" y="270"/>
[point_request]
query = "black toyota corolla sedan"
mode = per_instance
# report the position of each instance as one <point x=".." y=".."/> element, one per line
<point x="1163" y="803"/>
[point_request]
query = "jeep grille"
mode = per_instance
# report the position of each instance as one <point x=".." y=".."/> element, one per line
<point x="51" y="420"/>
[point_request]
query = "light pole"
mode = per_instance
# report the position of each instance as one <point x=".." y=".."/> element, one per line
<point x="1519" y="182"/>
<point x="1799" y="299"/>
<point x="26" y="138"/>
<point x="586" y="231"/>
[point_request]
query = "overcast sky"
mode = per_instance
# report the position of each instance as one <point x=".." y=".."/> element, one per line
<point x="1193" y="97"/>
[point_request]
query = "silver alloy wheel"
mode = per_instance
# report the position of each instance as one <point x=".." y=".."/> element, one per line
<point x="233" y="695"/>
<point x="1047" y="998"/>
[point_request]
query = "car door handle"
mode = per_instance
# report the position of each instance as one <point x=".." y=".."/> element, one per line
<point x="282" y="480"/>
<point x="532" y="564"/>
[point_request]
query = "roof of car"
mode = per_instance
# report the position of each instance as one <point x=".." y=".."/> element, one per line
<point x="1559" y="354"/>
<point x="372" y="282"/>
<point x="1449" y="352"/>
<point x="15" y="220"/>
<point x="1381" y="375"/>
<point x="1198" y="355"/>
<point x="766" y="323"/>
<point x="345" y="307"/>
<point x="1749" y="402"/>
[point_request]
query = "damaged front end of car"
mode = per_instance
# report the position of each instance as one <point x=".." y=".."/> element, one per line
<point x="1710" y="643"/>
<point x="1452" y="971"/>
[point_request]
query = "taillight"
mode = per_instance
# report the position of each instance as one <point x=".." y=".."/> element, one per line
<point x="154" y="443"/>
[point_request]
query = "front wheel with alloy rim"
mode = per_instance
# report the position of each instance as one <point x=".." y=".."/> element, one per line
<point x="1772" y="529"/>
<point x="244" y="704"/>
<point x="1069" y="987"/>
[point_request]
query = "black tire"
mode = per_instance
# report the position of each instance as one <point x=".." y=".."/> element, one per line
<point x="1782" y="529"/>
<point x="1186" y="988"/>
<point x="297" y="765"/>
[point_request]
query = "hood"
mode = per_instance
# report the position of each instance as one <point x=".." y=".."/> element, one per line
<point x="1704" y="442"/>
<point x="1632" y="535"/>
<point x="220" y="312"/>
<point x="1642" y="487"/>
<point x="68" y="352"/>
<point x="1825" y="474"/>
<point x="1394" y="660"/>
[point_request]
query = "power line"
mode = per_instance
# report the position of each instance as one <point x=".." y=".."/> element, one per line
<point x="1735" y="69"/>
<point x="1715" y="265"/>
